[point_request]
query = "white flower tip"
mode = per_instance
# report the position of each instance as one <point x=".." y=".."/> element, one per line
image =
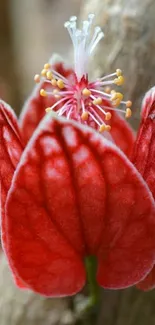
<point x="67" y="24"/>
<point x="73" y="18"/>
<point x="83" y="44"/>
<point x="98" y="29"/>
<point x="91" y="17"/>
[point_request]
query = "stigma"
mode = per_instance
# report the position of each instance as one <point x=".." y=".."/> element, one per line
<point x="77" y="97"/>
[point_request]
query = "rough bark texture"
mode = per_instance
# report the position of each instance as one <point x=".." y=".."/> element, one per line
<point x="129" y="44"/>
<point x="127" y="307"/>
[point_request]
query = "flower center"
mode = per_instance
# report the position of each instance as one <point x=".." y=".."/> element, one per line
<point x="76" y="97"/>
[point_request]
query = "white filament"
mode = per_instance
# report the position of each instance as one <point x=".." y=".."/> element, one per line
<point x="83" y="45"/>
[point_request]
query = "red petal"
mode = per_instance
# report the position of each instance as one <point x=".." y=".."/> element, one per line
<point x="75" y="194"/>
<point x="10" y="148"/>
<point x="144" y="150"/>
<point x="144" y="158"/>
<point x="126" y="250"/>
<point x="20" y="284"/>
<point x="10" y="152"/>
<point x="34" y="108"/>
<point x="147" y="103"/>
<point x="122" y="134"/>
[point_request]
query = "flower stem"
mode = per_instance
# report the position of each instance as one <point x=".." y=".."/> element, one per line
<point x="90" y="263"/>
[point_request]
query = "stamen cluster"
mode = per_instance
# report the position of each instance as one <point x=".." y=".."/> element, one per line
<point x="77" y="98"/>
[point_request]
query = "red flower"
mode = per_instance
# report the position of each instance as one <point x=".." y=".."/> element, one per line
<point x="144" y="159"/>
<point x="71" y="193"/>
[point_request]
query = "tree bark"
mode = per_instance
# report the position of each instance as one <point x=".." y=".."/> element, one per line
<point x="127" y="307"/>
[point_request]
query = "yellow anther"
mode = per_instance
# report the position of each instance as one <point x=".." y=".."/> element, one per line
<point x="84" y="116"/>
<point x="37" y="78"/>
<point x="97" y="101"/>
<point x="113" y="91"/>
<point x="116" y="102"/>
<point x="108" y="116"/>
<point x="54" y="82"/>
<point x="119" y="72"/>
<point x="49" y="75"/>
<point x="43" y="93"/>
<point x="119" y="81"/>
<point x="116" y="96"/>
<point x="108" y="128"/>
<point x="115" y="81"/>
<point x="128" y="103"/>
<point x="60" y="84"/>
<point x="86" y="92"/>
<point x="47" y="66"/>
<point x="43" y="72"/>
<point x="113" y="95"/>
<point x="102" y="128"/>
<point x="48" y="109"/>
<point x="120" y="96"/>
<point x="128" y="113"/>
<point x="107" y="90"/>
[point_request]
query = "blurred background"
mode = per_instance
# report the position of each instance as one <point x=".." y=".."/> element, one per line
<point x="30" y="31"/>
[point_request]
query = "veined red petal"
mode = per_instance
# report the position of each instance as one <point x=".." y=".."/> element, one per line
<point x="34" y="108"/>
<point x="148" y="100"/>
<point x="75" y="194"/>
<point x="122" y="254"/>
<point x="144" y="149"/>
<point x="10" y="148"/>
<point x="144" y="159"/>
<point x="10" y="151"/>
<point x="122" y="134"/>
